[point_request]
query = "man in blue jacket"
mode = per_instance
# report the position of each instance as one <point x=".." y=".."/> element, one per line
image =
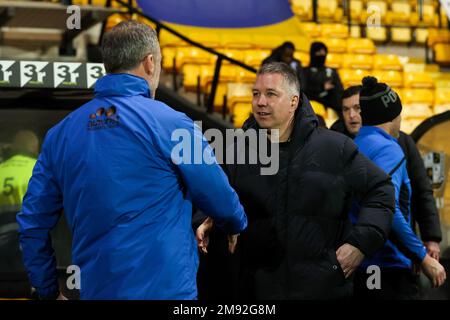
<point x="380" y="113"/>
<point x="127" y="200"/>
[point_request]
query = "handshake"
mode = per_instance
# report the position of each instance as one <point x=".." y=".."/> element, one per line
<point x="202" y="236"/>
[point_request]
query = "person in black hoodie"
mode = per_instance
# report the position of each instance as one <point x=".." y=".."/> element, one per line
<point x="322" y="84"/>
<point x="423" y="205"/>
<point x="285" y="53"/>
<point x="300" y="243"/>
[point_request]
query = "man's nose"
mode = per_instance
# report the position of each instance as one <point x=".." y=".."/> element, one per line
<point x="261" y="101"/>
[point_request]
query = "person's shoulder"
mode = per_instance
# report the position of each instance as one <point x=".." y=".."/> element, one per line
<point x="332" y="141"/>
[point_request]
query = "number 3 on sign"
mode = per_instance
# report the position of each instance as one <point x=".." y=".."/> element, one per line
<point x="94" y="72"/>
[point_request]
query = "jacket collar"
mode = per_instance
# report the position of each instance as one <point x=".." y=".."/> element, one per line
<point x="368" y="130"/>
<point x="122" y="84"/>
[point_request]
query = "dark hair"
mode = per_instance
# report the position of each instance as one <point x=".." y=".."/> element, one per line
<point x="288" y="45"/>
<point x="351" y="91"/>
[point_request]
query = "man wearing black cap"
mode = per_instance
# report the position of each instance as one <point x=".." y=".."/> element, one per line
<point x="322" y="83"/>
<point x="380" y="113"/>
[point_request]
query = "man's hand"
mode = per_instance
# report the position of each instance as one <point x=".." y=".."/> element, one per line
<point x="61" y="297"/>
<point x="434" y="271"/>
<point x="349" y="258"/>
<point x="202" y="234"/>
<point x="232" y="242"/>
<point x="433" y="249"/>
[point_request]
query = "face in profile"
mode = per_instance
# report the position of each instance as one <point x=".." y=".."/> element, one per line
<point x="271" y="103"/>
<point x="351" y="112"/>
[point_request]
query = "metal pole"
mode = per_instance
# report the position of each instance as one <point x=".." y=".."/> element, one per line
<point x="314" y="3"/>
<point x="215" y="82"/>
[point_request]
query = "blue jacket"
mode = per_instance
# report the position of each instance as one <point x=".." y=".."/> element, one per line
<point x="404" y="245"/>
<point x="109" y="164"/>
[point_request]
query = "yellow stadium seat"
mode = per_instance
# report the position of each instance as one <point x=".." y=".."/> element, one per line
<point x="387" y="62"/>
<point x="115" y="19"/>
<point x="237" y="91"/>
<point x="193" y="55"/>
<point x="442" y="100"/>
<point x="430" y="17"/>
<point x="334" y="60"/>
<point x="400" y="12"/>
<point x="360" y="45"/>
<point x="211" y="40"/>
<point x="233" y="54"/>
<point x="421" y="35"/>
<point x="241" y="111"/>
<point x="243" y="75"/>
<point x="356" y="10"/>
<point x="319" y="109"/>
<point x="334" y="30"/>
<point x="221" y="92"/>
<point x="408" y="125"/>
<point x="335" y="45"/>
<point x="351" y="77"/>
<point x="227" y="74"/>
<point x="190" y="76"/>
<point x="166" y="39"/>
<point x="254" y="58"/>
<point x="418" y="80"/>
<point x="442" y="53"/>
<point x="312" y="29"/>
<point x="357" y="61"/>
<point x="168" y="53"/>
<point x="417" y="97"/>
<point x="401" y="35"/>
<point x="438" y="36"/>
<point x="266" y="41"/>
<point x="378" y="34"/>
<point x="236" y="41"/>
<point x="303" y="57"/>
<point x="302" y="8"/>
<point x="355" y="32"/>
<point x="329" y="10"/>
<point x="392" y="78"/>
<point x="375" y="13"/>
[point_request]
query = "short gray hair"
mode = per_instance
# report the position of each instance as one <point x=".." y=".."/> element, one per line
<point x="125" y="45"/>
<point x="289" y="75"/>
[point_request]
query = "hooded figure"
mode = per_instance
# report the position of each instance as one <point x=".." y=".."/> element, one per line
<point x="285" y="53"/>
<point x="322" y="84"/>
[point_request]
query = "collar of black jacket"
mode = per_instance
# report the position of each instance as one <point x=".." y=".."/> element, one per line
<point x="305" y="122"/>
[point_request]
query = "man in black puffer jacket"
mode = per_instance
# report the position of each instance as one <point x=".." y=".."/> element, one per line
<point x="300" y="243"/>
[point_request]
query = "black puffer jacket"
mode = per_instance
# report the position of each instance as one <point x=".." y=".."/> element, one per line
<point x="299" y="217"/>
<point x="423" y="205"/>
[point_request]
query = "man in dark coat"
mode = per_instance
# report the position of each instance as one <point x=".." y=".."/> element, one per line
<point x="300" y="243"/>
<point x="423" y="205"/>
<point x="322" y="83"/>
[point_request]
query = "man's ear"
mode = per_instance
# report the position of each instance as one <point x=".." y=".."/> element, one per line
<point x="294" y="103"/>
<point x="149" y="65"/>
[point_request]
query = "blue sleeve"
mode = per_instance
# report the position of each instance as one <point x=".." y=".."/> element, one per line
<point x="206" y="183"/>
<point x="40" y="213"/>
<point x="401" y="229"/>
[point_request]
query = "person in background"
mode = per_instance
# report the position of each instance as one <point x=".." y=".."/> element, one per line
<point x="377" y="139"/>
<point x="322" y="83"/>
<point x="423" y="204"/>
<point x="285" y="53"/>
<point x="15" y="172"/>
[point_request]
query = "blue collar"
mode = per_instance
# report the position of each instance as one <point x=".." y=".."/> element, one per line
<point x="121" y="84"/>
<point x="368" y="130"/>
